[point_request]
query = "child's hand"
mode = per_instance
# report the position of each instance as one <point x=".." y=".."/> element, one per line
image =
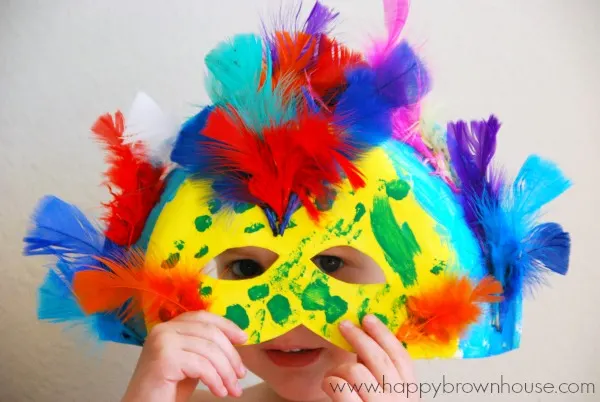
<point x="381" y="360"/>
<point x="195" y="346"/>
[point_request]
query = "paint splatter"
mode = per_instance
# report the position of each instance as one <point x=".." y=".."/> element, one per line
<point x="283" y="270"/>
<point x="205" y="290"/>
<point x="241" y="207"/>
<point x="382" y="318"/>
<point x="362" y="310"/>
<point x="203" y="222"/>
<point x="238" y="315"/>
<point x="336" y="307"/>
<point x="258" y="292"/>
<point x="179" y="244"/>
<point x="202" y="252"/>
<point x="339" y="230"/>
<point x="438" y="268"/>
<point x="397" y="242"/>
<point x="171" y="261"/>
<point x="397" y="189"/>
<point x="254" y="228"/>
<point x="214" y="206"/>
<point x="279" y="308"/>
<point x="317" y="297"/>
<point x="292" y="224"/>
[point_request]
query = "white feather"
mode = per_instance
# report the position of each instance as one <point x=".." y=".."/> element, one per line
<point x="146" y="123"/>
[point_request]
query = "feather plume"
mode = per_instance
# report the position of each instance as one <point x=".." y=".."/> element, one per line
<point x="137" y="287"/>
<point x="519" y="252"/>
<point x="134" y="183"/>
<point x="471" y="151"/>
<point x="320" y="19"/>
<point x="304" y="159"/>
<point x="62" y="230"/>
<point x="58" y="304"/>
<point x="402" y="78"/>
<point x="443" y="313"/>
<point x="147" y="124"/>
<point x="396" y="13"/>
<point x="239" y="77"/>
<point x="328" y="76"/>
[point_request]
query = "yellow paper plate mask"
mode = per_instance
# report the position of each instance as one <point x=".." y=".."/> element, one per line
<point x="308" y="148"/>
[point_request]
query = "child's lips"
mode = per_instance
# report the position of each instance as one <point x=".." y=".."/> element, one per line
<point x="293" y="357"/>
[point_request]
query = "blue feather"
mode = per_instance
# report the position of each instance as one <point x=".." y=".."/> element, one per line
<point x="235" y="71"/>
<point x="548" y="248"/>
<point x="518" y="251"/>
<point x="61" y="229"/>
<point x="186" y="151"/>
<point x="538" y="182"/>
<point x="365" y="115"/>
<point x="58" y="305"/>
<point x="365" y="108"/>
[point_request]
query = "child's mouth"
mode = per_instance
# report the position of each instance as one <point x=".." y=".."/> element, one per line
<point x="293" y="357"/>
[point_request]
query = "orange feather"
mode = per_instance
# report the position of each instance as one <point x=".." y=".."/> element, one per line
<point x="160" y="293"/>
<point x="443" y="313"/>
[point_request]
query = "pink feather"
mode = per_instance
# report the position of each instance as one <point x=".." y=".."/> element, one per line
<point x="396" y="13"/>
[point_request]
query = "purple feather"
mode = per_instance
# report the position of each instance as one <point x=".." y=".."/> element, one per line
<point x="319" y="20"/>
<point x="402" y="78"/>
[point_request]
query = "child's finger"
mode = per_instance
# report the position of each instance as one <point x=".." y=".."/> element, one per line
<point x="369" y="351"/>
<point x="391" y="345"/>
<point x="339" y="390"/>
<point x="214" y="334"/>
<point x="232" y="331"/>
<point x="211" y="352"/>
<point x="196" y="366"/>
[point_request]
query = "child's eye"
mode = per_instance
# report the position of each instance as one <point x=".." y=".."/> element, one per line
<point x="245" y="268"/>
<point x="329" y="263"/>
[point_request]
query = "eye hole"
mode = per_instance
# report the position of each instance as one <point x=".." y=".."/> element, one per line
<point x="242" y="263"/>
<point x="246" y="268"/>
<point x="349" y="265"/>
<point x="328" y="263"/>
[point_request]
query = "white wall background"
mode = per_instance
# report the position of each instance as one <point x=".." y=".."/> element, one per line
<point x="62" y="63"/>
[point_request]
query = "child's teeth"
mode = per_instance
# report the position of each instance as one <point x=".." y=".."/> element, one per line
<point x="294" y="350"/>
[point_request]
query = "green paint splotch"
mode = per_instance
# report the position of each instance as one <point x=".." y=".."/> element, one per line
<point x="438" y="268"/>
<point x="397" y="242"/>
<point x="202" y="223"/>
<point x="238" y="315"/>
<point x="317" y="297"/>
<point x="258" y="292"/>
<point x="214" y="206"/>
<point x="202" y="252"/>
<point x="205" y="290"/>
<point x="171" y="261"/>
<point x="241" y="207"/>
<point x="397" y="189"/>
<point x="179" y="244"/>
<point x="340" y="230"/>
<point x="279" y="308"/>
<point x="254" y="228"/>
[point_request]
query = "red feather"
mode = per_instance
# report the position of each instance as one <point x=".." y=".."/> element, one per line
<point x="442" y="314"/>
<point x="159" y="293"/>
<point x="305" y="157"/>
<point x="133" y="182"/>
<point x="333" y="61"/>
<point x="295" y="52"/>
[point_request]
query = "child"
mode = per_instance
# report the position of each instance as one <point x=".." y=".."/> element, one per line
<point x="198" y="346"/>
<point x="346" y="232"/>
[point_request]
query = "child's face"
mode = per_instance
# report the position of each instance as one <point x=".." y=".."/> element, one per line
<point x="297" y="375"/>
